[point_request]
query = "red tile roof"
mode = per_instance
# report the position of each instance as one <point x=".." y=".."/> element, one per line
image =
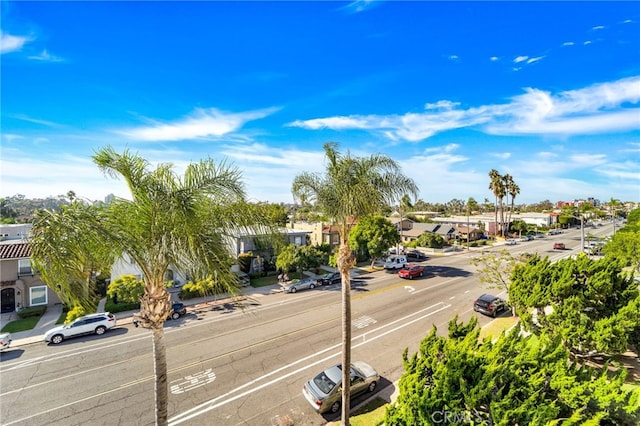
<point x="15" y="251"/>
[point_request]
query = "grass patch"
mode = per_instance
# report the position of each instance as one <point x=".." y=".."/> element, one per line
<point x="21" y="325"/>
<point x="370" y="414"/>
<point x="497" y="326"/>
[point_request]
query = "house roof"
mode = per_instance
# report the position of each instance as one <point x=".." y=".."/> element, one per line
<point x="13" y="250"/>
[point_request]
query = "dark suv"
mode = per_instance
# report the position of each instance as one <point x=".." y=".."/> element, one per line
<point x="332" y="278"/>
<point x="489" y="305"/>
<point x="178" y="310"/>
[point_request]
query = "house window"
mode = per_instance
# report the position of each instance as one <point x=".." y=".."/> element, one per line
<point x="297" y="241"/>
<point x="38" y="295"/>
<point x="24" y="267"/>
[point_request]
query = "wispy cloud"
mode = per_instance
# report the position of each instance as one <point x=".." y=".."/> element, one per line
<point x="594" y="109"/>
<point x="519" y="59"/>
<point x="598" y="27"/>
<point x="200" y="124"/>
<point x="358" y="6"/>
<point x="11" y="43"/>
<point x="494" y="58"/>
<point x="568" y="43"/>
<point x="46" y="56"/>
<point x="24" y="117"/>
<point x="532" y="60"/>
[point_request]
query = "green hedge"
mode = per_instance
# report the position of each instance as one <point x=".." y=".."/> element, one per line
<point x="34" y="311"/>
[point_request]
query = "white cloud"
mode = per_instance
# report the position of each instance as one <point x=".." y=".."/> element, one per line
<point x="494" y="58"/>
<point x="46" y="56"/>
<point x="568" y="43"/>
<point x="587" y="42"/>
<point x="202" y="123"/>
<point x="532" y="60"/>
<point x="594" y="109"/>
<point x="10" y="43"/>
<point x="443" y="104"/>
<point x="519" y="59"/>
<point x="454" y="57"/>
<point x="598" y="27"/>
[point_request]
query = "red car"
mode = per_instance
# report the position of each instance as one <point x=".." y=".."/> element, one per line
<point x="411" y="271"/>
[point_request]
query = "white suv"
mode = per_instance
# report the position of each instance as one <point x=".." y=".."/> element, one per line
<point x="88" y="324"/>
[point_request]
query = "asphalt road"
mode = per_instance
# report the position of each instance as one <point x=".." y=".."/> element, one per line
<point x="245" y="365"/>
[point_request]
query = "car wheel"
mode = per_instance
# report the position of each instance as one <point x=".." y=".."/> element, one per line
<point x="312" y="286"/>
<point x="100" y="330"/>
<point x="175" y="315"/>
<point x="410" y="277"/>
<point x="421" y="273"/>
<point x="335" y="407"/>
<point x="372" y="386"/>
<point x="58" y="338"/>
<point x="293" y="290"/>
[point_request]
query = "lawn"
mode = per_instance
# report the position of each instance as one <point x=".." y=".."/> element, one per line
<point x="22" y="324"/>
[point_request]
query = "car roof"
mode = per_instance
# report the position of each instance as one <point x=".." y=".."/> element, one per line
<point x="488" y="297"/>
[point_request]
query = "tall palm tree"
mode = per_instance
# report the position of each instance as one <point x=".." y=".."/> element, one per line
<point x="497" y="187"/>
<point x="512" y="190"/>
<point x="170" y="221"/>
<point x="351" y="187"/>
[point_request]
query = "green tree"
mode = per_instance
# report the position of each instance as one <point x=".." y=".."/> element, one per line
<point x="520" y="226"/>
<point x="515" y="380"/>
<point x="287" y="258"/>
<point x="590" y="304"/>
<point x="351" y="188"/>
<point x="430" y="240"/>
<point x="373" y="235"/>
<point x="275" y="213"/>
<point x="181" y="221"/>
<point x="126" y="289"/>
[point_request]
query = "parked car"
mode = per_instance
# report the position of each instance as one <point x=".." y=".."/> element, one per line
<point x="416" y="255"/>
<point x="558" y="246"/>
<point x="178" y="310"/>
<point x="489" y="305"/>
<point x="510" y="242"/>
<point x="88" y="324"/>
<point x="324" y="392"/>
<point x="5" y="340"/>
<point x="296" y="284"/>
<point x="397" y="261"/>
<point x="411" y="271"/>
<point x="555" y="232"/>
<point x="330" y="278"/>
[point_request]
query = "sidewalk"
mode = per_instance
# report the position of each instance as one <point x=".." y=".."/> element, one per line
<point x="51" y="315"/>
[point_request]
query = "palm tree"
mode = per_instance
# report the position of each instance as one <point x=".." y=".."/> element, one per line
<point x="512" y="190"/>
<point x="497" y="187"/>
<point x="351" y="188"/>
<point x="170" y="221"/>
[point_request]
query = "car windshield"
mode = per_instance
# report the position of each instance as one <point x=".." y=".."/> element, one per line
<point x="324" y="383"/>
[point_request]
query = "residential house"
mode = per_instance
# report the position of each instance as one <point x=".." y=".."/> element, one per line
<point x="331" y="234"/>
<point x="245" y="241"/>
<point x="20" y="285"/>
<point x="468" y="233"/>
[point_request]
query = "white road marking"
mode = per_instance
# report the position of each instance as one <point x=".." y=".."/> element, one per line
<point x="411" y="289"/>
<point x="220" y="400"/>
<point x="192" y="382"/>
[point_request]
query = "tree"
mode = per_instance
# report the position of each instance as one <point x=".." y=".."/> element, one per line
<point x="126" y="289"/>
<point x="495" y="269"/>
<point x="520" y="226"/>
<point x="428" y="239"/>
<point x="351" y="188"/>
<point x="513" y="381"/>
<point x="181" y="221"/>
<point x="590" y="304"/>
<point x="373" y="235"/>
<point x="497" y="187"/>
<point x="625" y="244"/>
<point x="512" y="190"/>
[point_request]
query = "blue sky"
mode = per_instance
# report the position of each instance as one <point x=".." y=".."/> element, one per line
<point x="547" y="92"/>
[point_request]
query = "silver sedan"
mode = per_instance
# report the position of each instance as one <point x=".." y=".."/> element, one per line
<point x="303" y="284"/>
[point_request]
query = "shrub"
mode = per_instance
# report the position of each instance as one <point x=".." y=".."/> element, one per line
<point x="76" y="312"/>
<point x="34" y="311"/>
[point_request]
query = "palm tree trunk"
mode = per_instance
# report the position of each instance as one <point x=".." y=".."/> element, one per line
<point x="345" y="262"/>
<point x="160" y="369"/>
